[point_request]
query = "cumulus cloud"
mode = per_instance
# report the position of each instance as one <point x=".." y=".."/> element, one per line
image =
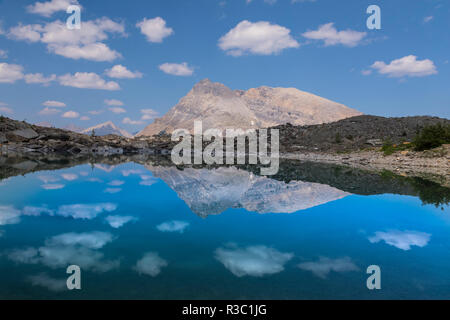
<point x="117" y="222"/>
<point x="87" y="80"/>
<point x="39" y="78"/>
<point x="255" y="261"/>
<point x="10" y="73"/>
<point x="428" y="19"/>
<point x="29" y="33"/>
<point x="91" y="240"/>
<point x="53" y="186"/>
<point x="114" y="102"/>
<point x="52" y="284"/>
<point x="149" y="114"/>
<point x="154" y="29"/>
<point x="117" y="110"/>
<point x="403" y="240"/>
<point x="129" y="172"/>
<point x="9" y="215"/>
<point x="324" y="266"/>
<point x="116" y="183"/>
<point x="47" y="8"/>
<point x="177" y="69"/>
<point x="3" y="54"/>
<point x="262" y="38"/>
<point x="113" y="190"/>
<point x="85" y="118"/>
<point x="85" y="211"/>
<point x="67" y="249"/>
<point x="54" y="104"/>
<point x="407" y="66"/>
<point x="132" y="122"/>
<point x="69" y="176"/>
<point x="49" y="111"/>
<point x="4" y="109"/>
<point x="173" y="226"/>
<point x="331" y="36"/>
<point x="71" y="115"/>
<point x="121" y="72"/>
<point x="150" y="264"/>
<point x="85" y="43"/>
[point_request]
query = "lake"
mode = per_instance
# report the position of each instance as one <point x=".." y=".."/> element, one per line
<point x="144" y="229"/>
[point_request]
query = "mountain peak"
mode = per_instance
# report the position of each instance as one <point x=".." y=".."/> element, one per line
<point x="219" y="107"/>
<point x="107" y="128"/>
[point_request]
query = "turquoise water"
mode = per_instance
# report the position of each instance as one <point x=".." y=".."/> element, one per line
<point x="163" y="233"/>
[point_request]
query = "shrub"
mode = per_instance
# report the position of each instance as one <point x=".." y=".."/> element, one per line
<point x="338" y="138"/>
<point x="388" y="147"/>
<point x="432" y="137"/>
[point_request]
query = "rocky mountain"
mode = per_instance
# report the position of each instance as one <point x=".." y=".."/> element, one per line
<point x="72" y="127"/>
<point x="220" y="107"/>
<point x="107" y="128"/>
<point x="208" y="192"/>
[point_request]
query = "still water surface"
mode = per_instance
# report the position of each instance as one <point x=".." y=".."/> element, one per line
<point x="158" y="232"/>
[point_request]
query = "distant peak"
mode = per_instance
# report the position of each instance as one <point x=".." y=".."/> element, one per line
<point x="206" y="86"/>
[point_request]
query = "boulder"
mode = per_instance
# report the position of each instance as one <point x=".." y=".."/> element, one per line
<point x="25" y="133"/>
<point x="3" y="138"/>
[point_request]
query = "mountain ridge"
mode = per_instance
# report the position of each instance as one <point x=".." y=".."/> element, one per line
<point x="107" y="128"/>
<point x="220" y="107"/>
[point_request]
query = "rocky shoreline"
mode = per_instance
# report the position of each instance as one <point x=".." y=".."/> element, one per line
<point x="20" y="139"/>
<point x="432" y="165"/>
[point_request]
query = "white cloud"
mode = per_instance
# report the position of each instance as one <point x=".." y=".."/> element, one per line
<point x="119" y="221"/>
<point x="85" y="118"/>
<point x="39" y="78"/>
<point x="154" y="29"/>
<point x="9" y="215"/>
<point x="407" y="66"/>
<point x="52" y="284"/>
<point x="117" y="110"/>
<point x="69" y="176"/>
<point x="30" y="33"/>
<point x="149" y="114"/>
<point x="85" y="211"/>
<point x="71" y="115"/>
<point x="48" y="178"/>
<point x="49" y="111"/>
<point x="366" y="72"/>
<point x="10" y="73"/>
<point x="93" y="51"/>
<point x="3" y="54"/>
<point x="112" y="190"/>
<point x="48" y="8"/>
<point x="173" y="226"/>
<point x="403" y="240"/>
<point x="53" y="186"/>
<point x="85" y="80"/>
<point x="85" y="43"/>
<point x="177" y="69"/>
<point x="132" y="122"/>
<point x="331" y="36"/>
<point x="325" y="265"/>
<point x="150" y="264"/>
<point x="121" y="72"/>
<point x="67" y="249"/>
<point x="6" y="110"/>
<point x="91" y="240"/>
<point x="114" y="102"/>
<point x="116" y="183"/>
<point x="255" y="261"/>
<point x="262" y="38"/>
<point x="52" y="103"/>
<point x="428" y="19"/>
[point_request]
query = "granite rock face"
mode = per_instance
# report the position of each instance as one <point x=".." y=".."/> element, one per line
<point x="217" y="106"/>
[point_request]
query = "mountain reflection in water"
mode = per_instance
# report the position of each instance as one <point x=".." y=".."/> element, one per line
<point x="132" y="224"/>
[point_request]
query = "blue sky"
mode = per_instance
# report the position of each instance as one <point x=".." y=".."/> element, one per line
<point x="146" y="55"/>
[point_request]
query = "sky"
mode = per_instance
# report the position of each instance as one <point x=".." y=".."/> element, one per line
<point x="131" y="61"/>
